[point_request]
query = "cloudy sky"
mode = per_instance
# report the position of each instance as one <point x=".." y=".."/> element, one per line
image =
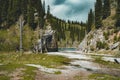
<point x="76" y="10"/>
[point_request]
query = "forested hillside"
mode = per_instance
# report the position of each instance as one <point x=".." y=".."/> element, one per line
<point x="103" y="27"/>
<point x="10" y="11"/>
<point x="68" y="33"/>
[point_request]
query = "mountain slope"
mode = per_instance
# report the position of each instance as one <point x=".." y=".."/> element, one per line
<point x="105" y="38"/>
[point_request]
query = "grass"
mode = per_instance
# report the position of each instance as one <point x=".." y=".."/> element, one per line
<point x="117" y="54"/>
<point x="30" y="73"/>
<point x="3" y="77"/>
<point x="81" y="78"/>
<point x="111" y="52"/>
<point x="78" y="78"/>
<point x="57" y="72"/>
<point x="98" y="59"/>
<point x="13" y="61"/>
<point x="10" y="67"/>
<point x="102" y="77"/>
<point x="50" y="61"/>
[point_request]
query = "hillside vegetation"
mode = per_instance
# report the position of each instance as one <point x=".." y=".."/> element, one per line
<point x="68" y="33"/>
<point x="107" y="37"/>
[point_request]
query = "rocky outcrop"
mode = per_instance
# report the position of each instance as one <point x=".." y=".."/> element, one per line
<point x="48" y="41"/>
<point x="96" y="40"/>
<point x="114" y="46"/>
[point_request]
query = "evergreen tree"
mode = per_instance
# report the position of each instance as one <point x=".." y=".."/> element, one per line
<point x="44" y="7"/>
<point x="14" y="11"/>
<point x="90" y="21"/>
<point x="24" y="5"/>
<point x="106" y="9"/>
<point x="3" y="12"/>
<point x="10" y="13"/>
<point x="98" y="14"/>
<point x="0" y="13"/>
<point x="117" y="24"/>
<point x="41" y="13"/>
<point x="48" y="11"/>
<point x="30" y="14"/>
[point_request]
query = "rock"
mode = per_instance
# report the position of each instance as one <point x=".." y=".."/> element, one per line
<point x="90" y="41"/>
<point x="114" y="46"/>
<point x="48" y="41"/>
<point x="116" y="61"/>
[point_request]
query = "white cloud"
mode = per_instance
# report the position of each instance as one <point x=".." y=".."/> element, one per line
<point x="76" y="10"/>
<point x="60" y="10"/>
<point x="73" y="1"/>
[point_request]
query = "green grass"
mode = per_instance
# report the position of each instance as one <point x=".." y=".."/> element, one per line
<point x="13" y="61"/>
<point x="117" y="54"/>
<point x="78" y="78"/>
<point x="57" y="72"/>
<point x="50" y="61"/>
<point x="3" y="77"/>
<point x="29" y="73"/>
<point x="81" y="78"/>
<point x="98" y="59"/>
<point x="10" y="67"/>
<point x="102" y="77"/>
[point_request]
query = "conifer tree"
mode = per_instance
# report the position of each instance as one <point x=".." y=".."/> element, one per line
<point x="30" y="14"/>
<point x="44" y="7"/>
<point x="16" y="9"/>
<point x="41" y="13"/>
<point x="48" y="11"/>
<point x="90" y="20"/>
<point x="10" y="13"/>
<point x="0" y="14"/>
<point x="117" y="24"/>
<point x="24" y="5"/>
<point x="98" y="14"/>
<point x="3" y="12"/>
<point x="106" y="9"/>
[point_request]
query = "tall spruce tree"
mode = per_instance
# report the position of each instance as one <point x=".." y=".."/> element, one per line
<point x="0" y="13"/>
<point x="30" y="14"/>
<point x="24" y="5"/>
<point x="3" y="12"/>
<point x="48" y="11"/>
<point x="41" y="13"/>
<point x="106" y="9"/>
<point x="117" y="24"/>
<point x="43" y="7"/>
<point x="90" y="21"/>
<point x="98" y="14"/>
<point x="10" y="13"/>
<point x="16" y="9"/>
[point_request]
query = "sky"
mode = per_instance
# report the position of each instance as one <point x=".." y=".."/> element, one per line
<point x="75" y="10"/>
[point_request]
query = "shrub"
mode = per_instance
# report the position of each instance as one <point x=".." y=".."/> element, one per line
<point x="106" y="35"/>
<point x="102" y="45"/>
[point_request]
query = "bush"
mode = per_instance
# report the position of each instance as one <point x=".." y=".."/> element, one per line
<point x="102" y="45"/>
<point x="117" y="54"/>
<point x="9" y="39"/>
<point x="116" y="39"/>
<point x="106" y="35"/>
<point x="92" y="48"/>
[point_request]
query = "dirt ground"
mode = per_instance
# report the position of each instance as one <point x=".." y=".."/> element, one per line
<point x="70" y="75"/>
